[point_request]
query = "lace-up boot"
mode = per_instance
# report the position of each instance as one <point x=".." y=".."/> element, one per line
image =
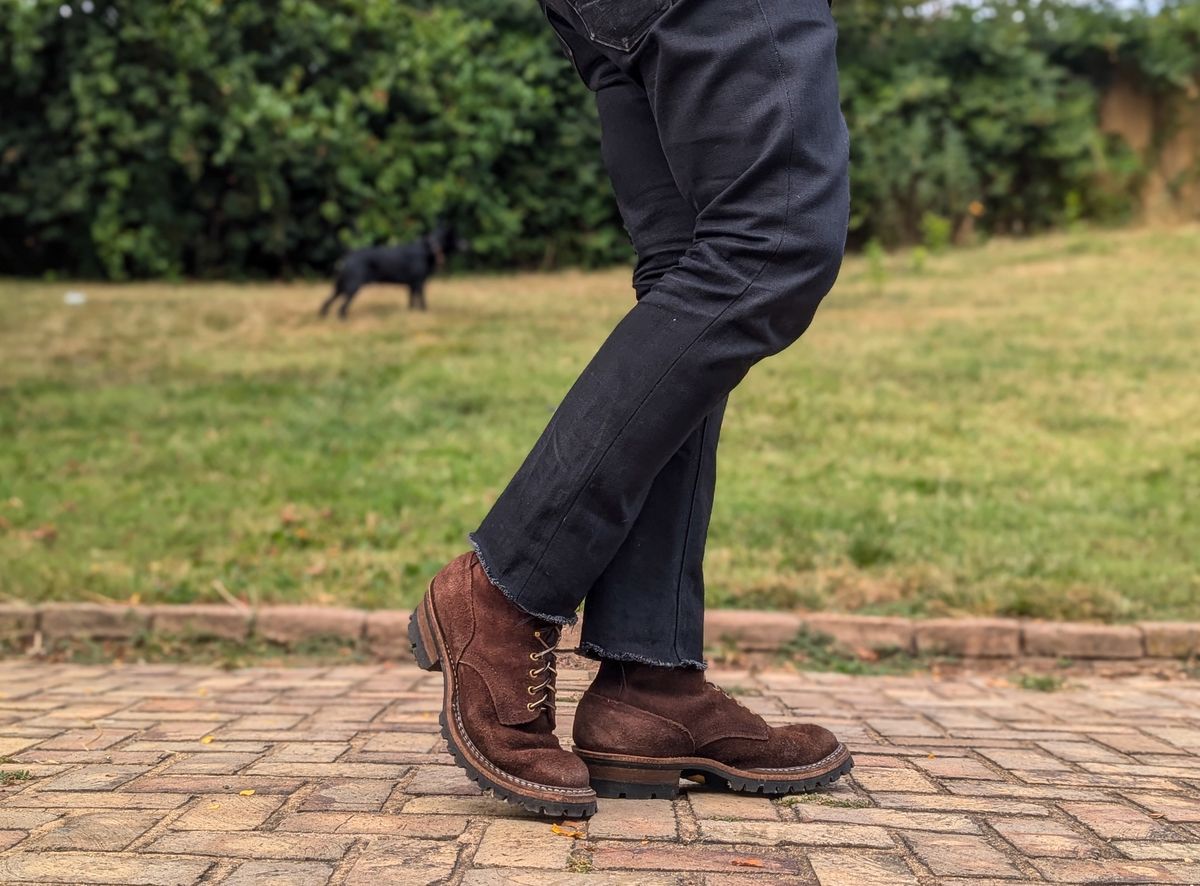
<point x="640" y="728"/>
<point x="498" y="713"/>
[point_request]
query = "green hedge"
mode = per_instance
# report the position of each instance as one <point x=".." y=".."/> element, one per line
<point x="225" y="139"/>
<point x="997" y="104"/>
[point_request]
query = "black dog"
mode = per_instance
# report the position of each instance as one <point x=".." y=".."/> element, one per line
<point x="411" y="264"/>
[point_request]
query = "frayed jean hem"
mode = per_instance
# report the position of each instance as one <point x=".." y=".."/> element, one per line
<point x="591" y="650"/>
<point x="491" y="576"/>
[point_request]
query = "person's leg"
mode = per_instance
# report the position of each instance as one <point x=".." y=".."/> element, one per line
<point x="465" y="627"/>
<point x="648" y="604"/>
<point x="640" y="725"/>
<point x="744" y="98"/>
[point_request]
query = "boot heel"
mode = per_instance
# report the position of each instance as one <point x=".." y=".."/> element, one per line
<point x="421" y="638"/>
<point x="614" y="781"/>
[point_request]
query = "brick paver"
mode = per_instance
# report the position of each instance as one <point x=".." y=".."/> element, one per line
<point x="168" y="774"/>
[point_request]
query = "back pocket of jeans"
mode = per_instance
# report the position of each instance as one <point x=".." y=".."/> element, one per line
<point x="619" y="24"/>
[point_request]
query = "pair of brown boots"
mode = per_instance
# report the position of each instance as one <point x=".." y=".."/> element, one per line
<point x="638" y="728"/>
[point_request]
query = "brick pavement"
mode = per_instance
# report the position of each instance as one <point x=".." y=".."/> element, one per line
<point x="165" y="774"/>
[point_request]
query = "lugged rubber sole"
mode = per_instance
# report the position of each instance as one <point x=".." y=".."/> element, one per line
<point x="617" y="776"/>
<point x="425" y="647"/>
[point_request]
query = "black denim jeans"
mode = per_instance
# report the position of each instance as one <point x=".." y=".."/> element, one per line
<point x="724" y="139"/>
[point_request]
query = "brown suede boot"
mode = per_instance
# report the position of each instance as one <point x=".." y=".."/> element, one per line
<point x="640" y="728"/>
<point x="498" y="706"/>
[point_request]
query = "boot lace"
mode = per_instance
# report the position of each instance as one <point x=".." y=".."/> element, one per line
<point x="547" y="671"/>
<point x="731" y="698"/>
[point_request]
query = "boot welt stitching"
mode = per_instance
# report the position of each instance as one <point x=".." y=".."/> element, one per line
<point x="462" y="730"/>
<point x="817" y="765"/>
<point x="684" y="762"/>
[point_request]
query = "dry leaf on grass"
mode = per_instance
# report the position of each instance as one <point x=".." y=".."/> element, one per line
<point x="47" y="533"/>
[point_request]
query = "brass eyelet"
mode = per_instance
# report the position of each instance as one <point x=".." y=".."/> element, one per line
<point x="533" y="656"/>
<point x="530" y="707"/>
<point x="531" y="689"/>
<point x="537" y="634"/>
<point x="532" y="673"/>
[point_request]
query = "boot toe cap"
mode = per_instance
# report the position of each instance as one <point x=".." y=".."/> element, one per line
<point x="810" y="742"/>
<point x="554" y="768"/>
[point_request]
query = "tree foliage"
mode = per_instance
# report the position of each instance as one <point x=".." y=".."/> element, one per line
<point x="214" y="138"/>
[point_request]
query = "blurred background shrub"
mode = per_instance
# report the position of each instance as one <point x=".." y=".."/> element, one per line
<point x="220" y="139"/>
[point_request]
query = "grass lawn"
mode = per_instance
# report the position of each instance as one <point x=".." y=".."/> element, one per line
<point x="1013" y="429"/>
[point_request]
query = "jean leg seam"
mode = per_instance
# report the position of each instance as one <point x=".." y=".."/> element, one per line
<point x="687" y="530"/>
<point x="787" y="208"/>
